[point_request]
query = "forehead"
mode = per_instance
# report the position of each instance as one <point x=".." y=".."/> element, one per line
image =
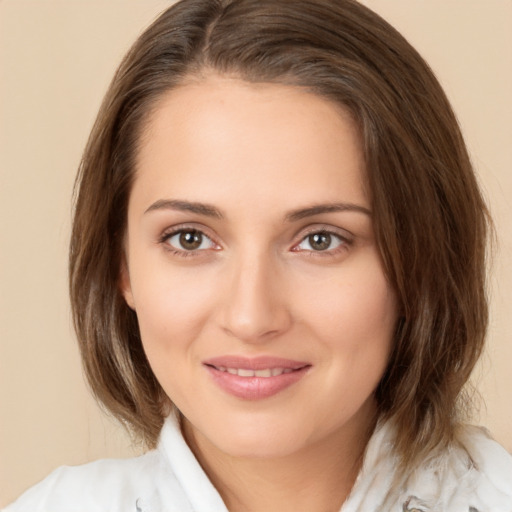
<point x="225" y="138"/>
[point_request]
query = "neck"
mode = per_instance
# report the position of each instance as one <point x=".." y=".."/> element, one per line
<point x="318" y="477"/>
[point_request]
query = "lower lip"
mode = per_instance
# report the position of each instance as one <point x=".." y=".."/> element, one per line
<point x="255" y="388"/>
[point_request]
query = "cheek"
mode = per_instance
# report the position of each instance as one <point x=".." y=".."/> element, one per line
<point x="355" y="320"/>
<point x="172" y="306"/>
<point x="353" y="316"/>
<point x="354" y="307"/>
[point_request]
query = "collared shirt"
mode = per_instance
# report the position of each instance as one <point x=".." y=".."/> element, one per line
<point x="474" y="476"/>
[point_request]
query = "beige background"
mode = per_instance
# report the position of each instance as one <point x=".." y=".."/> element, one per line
<point x="56" y="59"/>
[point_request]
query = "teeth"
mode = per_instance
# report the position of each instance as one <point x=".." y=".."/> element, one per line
<point x="267" y="372"/>
<point x="263" y="373"/>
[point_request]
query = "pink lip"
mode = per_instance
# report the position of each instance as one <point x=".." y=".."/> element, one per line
<point x="255" y="388"/>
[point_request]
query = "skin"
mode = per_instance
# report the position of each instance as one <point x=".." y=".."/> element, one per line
<point x="258" y="285"/>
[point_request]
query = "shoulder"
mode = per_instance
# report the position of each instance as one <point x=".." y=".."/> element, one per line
<point x="475" y="474"/>
<point x="489" y="460"/>
<point x="168" y="479"/>
<point x="103" y="485"/>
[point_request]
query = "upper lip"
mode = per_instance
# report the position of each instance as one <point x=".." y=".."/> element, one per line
<point x="254" y="363"/>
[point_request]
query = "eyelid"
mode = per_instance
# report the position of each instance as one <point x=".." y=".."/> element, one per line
<point x="345" y="236"/>
<point x="325" y="228"/>
<point x="174" y="230"/>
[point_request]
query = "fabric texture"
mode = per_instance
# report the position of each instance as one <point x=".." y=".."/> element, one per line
<point x="475" y="476"/>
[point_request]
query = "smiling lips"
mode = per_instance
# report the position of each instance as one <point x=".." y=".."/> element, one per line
<point x="243" y="372"/>
<point x="255" y="378"/>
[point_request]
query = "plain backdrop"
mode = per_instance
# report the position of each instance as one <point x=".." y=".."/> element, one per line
<point x="56" y="60"/>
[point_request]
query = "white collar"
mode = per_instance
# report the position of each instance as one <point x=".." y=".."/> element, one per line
<point x="200" y="491"/>
<point x="474" y="475"/>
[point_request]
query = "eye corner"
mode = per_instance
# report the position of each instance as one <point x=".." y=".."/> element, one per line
<point x="341" y="242"/>
<point x="174" y="240"/>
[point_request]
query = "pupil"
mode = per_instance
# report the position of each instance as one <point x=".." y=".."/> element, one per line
<point x="320" y="241"/>
<point x="190" y="240"/>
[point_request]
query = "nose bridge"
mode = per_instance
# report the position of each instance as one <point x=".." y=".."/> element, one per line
<point x="254" y="308"/>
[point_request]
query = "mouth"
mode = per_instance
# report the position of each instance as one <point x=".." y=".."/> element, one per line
<point x="244" y="372"/>
<point x="255" y="378"/>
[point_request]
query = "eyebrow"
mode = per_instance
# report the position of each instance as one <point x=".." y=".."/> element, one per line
<point x="186" y="206"/>
<point x="211" y="211"/>
<point x="317" y="209"/>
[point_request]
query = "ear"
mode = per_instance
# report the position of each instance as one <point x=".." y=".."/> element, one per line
<point x="125" y="286"/>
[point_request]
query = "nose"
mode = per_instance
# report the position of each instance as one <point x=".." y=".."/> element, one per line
<point x="254" y="306"/>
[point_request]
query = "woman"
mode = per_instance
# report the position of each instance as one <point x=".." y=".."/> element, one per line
<point x="276" y="218"/>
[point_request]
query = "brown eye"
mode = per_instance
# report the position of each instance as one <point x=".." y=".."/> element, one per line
<point x="320" y="241"/>
<point x="189" y="240"/>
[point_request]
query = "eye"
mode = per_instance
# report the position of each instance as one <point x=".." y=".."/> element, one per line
<point x="189" y="240"/>
<point x="320" y="241"/>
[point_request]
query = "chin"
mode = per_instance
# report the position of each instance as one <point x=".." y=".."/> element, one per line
<point x="254" y="437"/>
<point x="268" y="447"/>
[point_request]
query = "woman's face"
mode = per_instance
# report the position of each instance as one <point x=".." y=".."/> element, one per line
<point x="252" y="266"/>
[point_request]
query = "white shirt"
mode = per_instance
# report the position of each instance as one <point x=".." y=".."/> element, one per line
<point x="475" y="477"/>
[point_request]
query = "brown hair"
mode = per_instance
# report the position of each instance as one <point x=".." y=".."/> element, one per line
<point x="429" y="217"/>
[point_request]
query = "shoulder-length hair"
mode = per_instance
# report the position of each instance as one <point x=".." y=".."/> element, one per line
<point x="428" y="214"/>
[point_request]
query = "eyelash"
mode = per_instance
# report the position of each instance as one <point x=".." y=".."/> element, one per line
<point x="167" y="235"/>
<point x="344" y="242"/>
